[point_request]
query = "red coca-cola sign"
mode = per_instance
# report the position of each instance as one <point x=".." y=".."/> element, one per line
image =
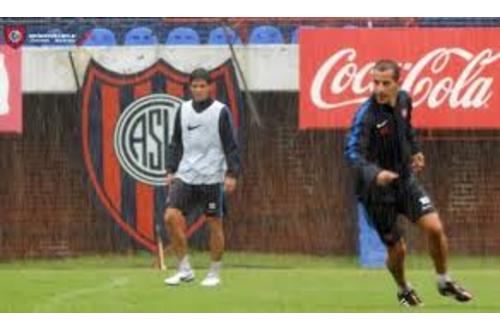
<point x="452" y="75"/>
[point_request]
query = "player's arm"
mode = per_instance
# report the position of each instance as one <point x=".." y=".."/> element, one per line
<point x="417" y="159"/>
<point x="231" y="149"/>
<point x="355" y="152"/>
<point x="175" y="149"/>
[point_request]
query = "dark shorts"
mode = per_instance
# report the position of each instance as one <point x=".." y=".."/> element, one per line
<point x="383" y="205"/>
<point x="203" y="199"/>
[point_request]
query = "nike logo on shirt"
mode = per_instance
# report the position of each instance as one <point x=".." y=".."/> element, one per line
<point x="382" y="124"/>
<point x="190" y="128"/>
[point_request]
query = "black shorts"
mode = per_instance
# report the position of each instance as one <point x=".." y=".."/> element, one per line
<point x="203" y="199"/>
<point x="384" y="204"/>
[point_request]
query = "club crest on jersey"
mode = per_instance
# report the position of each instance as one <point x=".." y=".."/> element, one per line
<point x="404" y="113"/>
<point x="127" y="122"/>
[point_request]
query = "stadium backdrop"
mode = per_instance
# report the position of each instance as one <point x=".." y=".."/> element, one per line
<point x="296" y="192"/>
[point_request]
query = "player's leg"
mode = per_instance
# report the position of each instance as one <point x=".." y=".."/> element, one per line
<point x="216" y="239"/>
<point x="431" y="224"/>
<point x="383" y="216"/>
<point x="177" y="205"/>
<point x="438" y="245"/>
<point x="216" y="250"/>
<point x="395" y="262"/>
<point x="420" y="209"/>
<point x="214" y="213"/>
<point x="176" y="224"/>
<point x="396" y="255"/>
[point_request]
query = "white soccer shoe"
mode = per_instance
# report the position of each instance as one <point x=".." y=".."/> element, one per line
<point x="211" y="280"/>
<point x="179" y="277"/>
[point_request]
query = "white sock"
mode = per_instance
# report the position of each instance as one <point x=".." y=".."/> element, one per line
<point x="443" y="278"/>
<point x="184" y="264"/>
<point x="406" y="288"/>
<point x="215" y="268"/>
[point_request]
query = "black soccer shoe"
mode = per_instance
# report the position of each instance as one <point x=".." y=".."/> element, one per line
<point x="454" y="290"/>
<point x="409" y="298"/>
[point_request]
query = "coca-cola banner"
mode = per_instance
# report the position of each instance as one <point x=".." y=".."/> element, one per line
<point x="11" y="118"/>
<point x="452" y="75"/>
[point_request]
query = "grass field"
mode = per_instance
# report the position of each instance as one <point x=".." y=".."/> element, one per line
<point x="251" y="283"/>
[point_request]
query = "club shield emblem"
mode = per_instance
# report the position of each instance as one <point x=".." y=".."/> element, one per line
<point x="127" y="123"/>
<point x="14" y="35"/>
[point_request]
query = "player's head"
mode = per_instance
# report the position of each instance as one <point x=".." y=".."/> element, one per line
<point x="386" y="74"/>
<point x="199" y="83"/>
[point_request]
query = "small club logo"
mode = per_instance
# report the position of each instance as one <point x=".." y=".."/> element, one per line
<point x="404" y="113"/>
<point x="15" y="35"/>
<point x="142" y="134"/>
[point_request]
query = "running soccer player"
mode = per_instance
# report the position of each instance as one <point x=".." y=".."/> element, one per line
<point x="383" y="149"/>
<point x="204" y="163"/>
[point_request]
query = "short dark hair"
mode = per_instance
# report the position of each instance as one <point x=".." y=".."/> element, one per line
<point x="385" y="64"/>
<point x="200" y="73"/>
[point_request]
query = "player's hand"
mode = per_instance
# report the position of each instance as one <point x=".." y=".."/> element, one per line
<point x="385" y="177"/>
<point x="169" y="179"/>
<point x="229" y="184"/>
<point x="418" y="162"/>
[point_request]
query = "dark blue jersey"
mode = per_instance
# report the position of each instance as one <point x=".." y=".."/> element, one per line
<point x="381" y="137"/>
